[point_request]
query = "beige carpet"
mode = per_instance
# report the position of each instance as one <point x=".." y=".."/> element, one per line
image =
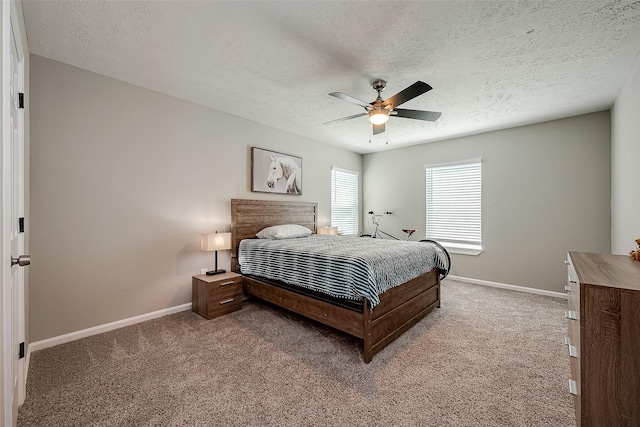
<point x="487" y="357"/>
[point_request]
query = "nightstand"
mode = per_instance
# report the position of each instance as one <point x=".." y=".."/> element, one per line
<point x="216" y="295"/>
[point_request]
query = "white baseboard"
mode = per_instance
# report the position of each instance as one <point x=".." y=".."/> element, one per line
<point x="72" y="336"/>
<point x="510" y="287"/>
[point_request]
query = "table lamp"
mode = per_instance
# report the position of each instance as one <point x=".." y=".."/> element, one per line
<point x="215" y="242"/>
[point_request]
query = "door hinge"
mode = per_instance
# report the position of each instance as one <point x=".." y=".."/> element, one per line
<point x="21" y="224"/>
<point x="21" y="350"/>
<point x="20" y="100"/>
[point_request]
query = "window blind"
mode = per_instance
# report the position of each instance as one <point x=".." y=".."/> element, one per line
<point x="344" y="201"/>
<point x="454" y="204"/>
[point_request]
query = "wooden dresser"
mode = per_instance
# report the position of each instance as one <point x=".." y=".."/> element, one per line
<point x="604" y="338"/>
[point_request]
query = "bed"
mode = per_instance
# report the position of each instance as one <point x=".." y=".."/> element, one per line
<point x="376" y="323"/>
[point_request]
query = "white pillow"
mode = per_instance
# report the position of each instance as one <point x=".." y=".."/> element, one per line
<point x="286" y="231"/>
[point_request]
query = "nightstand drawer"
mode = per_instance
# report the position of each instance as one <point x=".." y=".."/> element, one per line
<point x="224" y="285"/>
<point x="224" y="306"/>
<point x="219" y="294"/>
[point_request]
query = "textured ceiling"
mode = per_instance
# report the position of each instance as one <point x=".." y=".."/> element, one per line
<point x="492" y="64"/>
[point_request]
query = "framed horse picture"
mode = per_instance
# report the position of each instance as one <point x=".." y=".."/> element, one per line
<point x="273" y="172"/>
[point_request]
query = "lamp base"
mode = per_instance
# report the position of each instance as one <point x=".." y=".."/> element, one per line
<point x="212" y="272"/>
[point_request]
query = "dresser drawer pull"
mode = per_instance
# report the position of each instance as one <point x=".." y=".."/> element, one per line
<point x="566" y="262"/>
<point x="567" y="288"/>
<point x="567" y="341"/>
<point x="570" y="314"/>
<point x="573" y="387"/>
<point x="226" y="284"/>
<point x="226" y="301"/>
<point x="573" y="351"/>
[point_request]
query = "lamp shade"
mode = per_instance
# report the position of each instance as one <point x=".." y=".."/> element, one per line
<point x="332" y="231"/>
<point x="215" y="242"/>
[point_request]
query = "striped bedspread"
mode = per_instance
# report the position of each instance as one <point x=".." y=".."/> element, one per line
<point x="344" y="267"/>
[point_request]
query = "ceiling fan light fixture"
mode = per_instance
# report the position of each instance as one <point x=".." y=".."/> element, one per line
<point x="379" y="110"/>
<point x="379" y="116"/>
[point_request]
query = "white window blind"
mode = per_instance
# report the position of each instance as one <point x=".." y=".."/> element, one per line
<point x="344" y="201"/>
<point x="454" y="204"/>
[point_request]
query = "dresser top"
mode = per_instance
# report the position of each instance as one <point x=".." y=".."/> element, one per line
<point x="617" y="271"/>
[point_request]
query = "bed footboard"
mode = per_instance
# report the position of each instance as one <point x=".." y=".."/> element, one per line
<point x="400" y="308"/>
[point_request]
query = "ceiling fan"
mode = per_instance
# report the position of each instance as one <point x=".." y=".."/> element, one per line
<point x="380" y="110"/>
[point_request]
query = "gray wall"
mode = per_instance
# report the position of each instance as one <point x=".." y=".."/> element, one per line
<point x="546" y="190"/>
<point x="625" y="165"/>
<point x="124" y="181"/>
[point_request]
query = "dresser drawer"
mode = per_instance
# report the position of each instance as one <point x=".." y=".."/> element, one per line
<point x="573" y="297"/>
<point x="575" y="367"/>
<point x="573" y="346"/>
<point x="573" y="289"/>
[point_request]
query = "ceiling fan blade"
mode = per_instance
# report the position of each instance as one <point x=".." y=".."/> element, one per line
<point x="350" y="98"/>
<point x="416" y="89"/>
<point x="430" y="116"/>
<point x="346" y="118"/>
<point x="378" y="129"/>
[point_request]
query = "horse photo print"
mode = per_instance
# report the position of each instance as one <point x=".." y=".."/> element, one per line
<point x="274" y="172"/>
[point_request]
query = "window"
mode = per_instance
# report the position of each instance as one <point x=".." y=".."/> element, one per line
<point x="454" y="206"/>
<point x="344" y="201"/>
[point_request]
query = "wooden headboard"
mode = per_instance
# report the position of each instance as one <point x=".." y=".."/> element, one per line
<point x="250" y="216"/>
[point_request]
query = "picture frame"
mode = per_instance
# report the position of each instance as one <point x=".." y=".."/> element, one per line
<point x="274" y="172"/>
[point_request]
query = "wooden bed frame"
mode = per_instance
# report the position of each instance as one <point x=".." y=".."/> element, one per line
<point x="400" y="307"/>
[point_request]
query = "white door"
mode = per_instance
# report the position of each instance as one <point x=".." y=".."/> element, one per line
<point x="17" y="212"/>
<point x="13" y="211"/>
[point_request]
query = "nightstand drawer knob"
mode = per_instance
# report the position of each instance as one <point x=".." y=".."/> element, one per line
<point x="226" y="301"/>
<point x="571" y="315"/>
<point x="566" y="262"/>
<point x="226" y="284"/>
<point x="573" y="387"/>
<point x="567" y="288"/>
